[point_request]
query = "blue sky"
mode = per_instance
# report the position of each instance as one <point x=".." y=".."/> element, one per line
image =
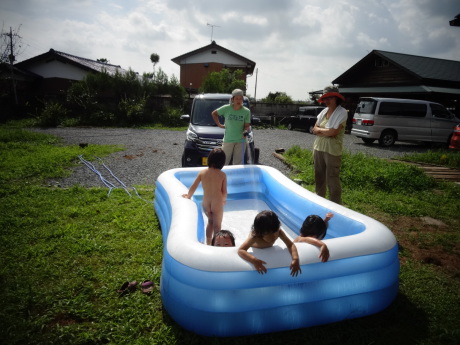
<point x="298" y="45"/>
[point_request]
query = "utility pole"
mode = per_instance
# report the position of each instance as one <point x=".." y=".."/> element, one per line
<point x="12" y="59"/>
<point x="255" y="87"/>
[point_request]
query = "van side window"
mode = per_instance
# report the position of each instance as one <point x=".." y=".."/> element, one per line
<point x="414" y="109"/>
<point x="402" y="109"/>
<point x="439" y="111"/>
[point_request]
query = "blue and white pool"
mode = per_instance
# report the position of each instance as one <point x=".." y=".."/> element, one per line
<point x="213" y="292"/>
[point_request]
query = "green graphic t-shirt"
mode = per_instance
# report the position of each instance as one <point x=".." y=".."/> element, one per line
<point x="234" y="122"/>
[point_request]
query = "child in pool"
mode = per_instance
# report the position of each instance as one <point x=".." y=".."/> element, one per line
<point x="223" y="238"/>
<point x="313" y="231"/>
<point x="265" y="231"/>
<point x="214" y="183"/>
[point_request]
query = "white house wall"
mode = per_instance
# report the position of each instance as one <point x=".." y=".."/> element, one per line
<point x="207" y="57"/>
<point x="57" y="69"/>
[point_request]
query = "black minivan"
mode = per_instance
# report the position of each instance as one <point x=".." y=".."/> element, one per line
<point x="203" y="135"/>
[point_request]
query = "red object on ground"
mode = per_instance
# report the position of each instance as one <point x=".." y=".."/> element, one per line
<point x="455" y="140"/>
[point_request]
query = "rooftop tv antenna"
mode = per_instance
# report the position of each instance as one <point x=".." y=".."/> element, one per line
<point x="212" y="28"/>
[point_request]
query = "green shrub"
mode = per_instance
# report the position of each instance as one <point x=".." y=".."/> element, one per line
<point x="171" y="117"/>
<point x="81" y="101"/>
<point x="52" y="115"/>
<point x="450" y="158"/>
<point x="364" y="172"/>
<point x="132" y="109"/>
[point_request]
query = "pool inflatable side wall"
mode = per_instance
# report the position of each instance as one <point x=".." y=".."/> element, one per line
<point x="213" y="292"/>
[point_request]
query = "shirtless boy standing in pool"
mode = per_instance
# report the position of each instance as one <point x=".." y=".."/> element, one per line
<point x="214" y="182"/>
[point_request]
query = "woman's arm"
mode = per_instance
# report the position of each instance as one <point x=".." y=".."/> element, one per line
<point x="243" y="253"/>
<point x="326" y="132"/>
<point x="295" y="265"/>
<point x="215" y="117"/>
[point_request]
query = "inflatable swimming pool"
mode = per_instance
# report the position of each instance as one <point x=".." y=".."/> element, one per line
<point x="213" y="292"/>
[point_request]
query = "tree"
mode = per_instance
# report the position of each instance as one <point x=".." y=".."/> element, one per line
<point x="277" y="97"/>
<point x="224" y="81"/>
<point x="103" y="60"/>
<point x="155" y="58"/>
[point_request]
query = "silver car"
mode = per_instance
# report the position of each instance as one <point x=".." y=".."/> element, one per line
<point x="391" y="119"/>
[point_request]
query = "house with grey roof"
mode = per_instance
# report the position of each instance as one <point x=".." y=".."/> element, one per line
<point x="197" y="64"/>
<point x="54" y="71"/>
<point x="388" y="74"/>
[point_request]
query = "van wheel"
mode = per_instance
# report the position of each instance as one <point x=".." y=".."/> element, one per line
<point x="387" y="138"/>
<point x="290" y="127"/>
<point x="310" y="129"/>
<point x="367" y="140"/>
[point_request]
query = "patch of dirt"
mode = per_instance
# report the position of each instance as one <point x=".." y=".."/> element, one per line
<point x="411" y="234"/>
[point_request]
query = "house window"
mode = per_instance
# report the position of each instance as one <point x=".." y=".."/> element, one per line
<point x="213" y="51"/>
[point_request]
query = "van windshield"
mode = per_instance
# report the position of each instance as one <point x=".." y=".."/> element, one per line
<point x="366" y="106"/>
<point x="202" y="109"/>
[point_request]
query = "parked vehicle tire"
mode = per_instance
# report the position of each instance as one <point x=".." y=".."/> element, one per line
<point x="310" y="129"/>
<point x="290" y="126"/>
<point x="388" y="138"/>
<point x="367" y="140"/>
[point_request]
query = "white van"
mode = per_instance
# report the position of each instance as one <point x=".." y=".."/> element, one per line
<point x="390" y="119"/>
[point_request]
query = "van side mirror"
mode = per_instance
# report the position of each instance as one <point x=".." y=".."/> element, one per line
<point x="185" y="117"/>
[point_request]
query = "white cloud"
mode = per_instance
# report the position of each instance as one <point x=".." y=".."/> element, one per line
<point x="298" y="45"/>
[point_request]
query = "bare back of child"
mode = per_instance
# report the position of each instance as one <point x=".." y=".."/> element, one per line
<point x="214" y="183"/>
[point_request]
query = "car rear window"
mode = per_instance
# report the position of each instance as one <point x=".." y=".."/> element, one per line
<point x="402" y="109"/>
<point x="366" y="106"/>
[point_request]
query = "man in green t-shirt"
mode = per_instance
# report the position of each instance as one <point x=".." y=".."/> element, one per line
<point x="237" y="122"/>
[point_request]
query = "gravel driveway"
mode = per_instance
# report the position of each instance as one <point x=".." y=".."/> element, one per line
<point x="149" y="152"/>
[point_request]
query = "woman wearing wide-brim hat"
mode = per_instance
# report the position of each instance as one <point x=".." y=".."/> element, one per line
<point x="327" y="148"/>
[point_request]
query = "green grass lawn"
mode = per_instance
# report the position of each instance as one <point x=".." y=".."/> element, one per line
<point x="65" y="252"/>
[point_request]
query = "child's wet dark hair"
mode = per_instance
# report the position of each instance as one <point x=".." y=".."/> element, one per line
<point x="224" y="233"/>
<point x="216" y="158"/>
<point x="313" y="226"/>
<point x="266" y="222"/>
